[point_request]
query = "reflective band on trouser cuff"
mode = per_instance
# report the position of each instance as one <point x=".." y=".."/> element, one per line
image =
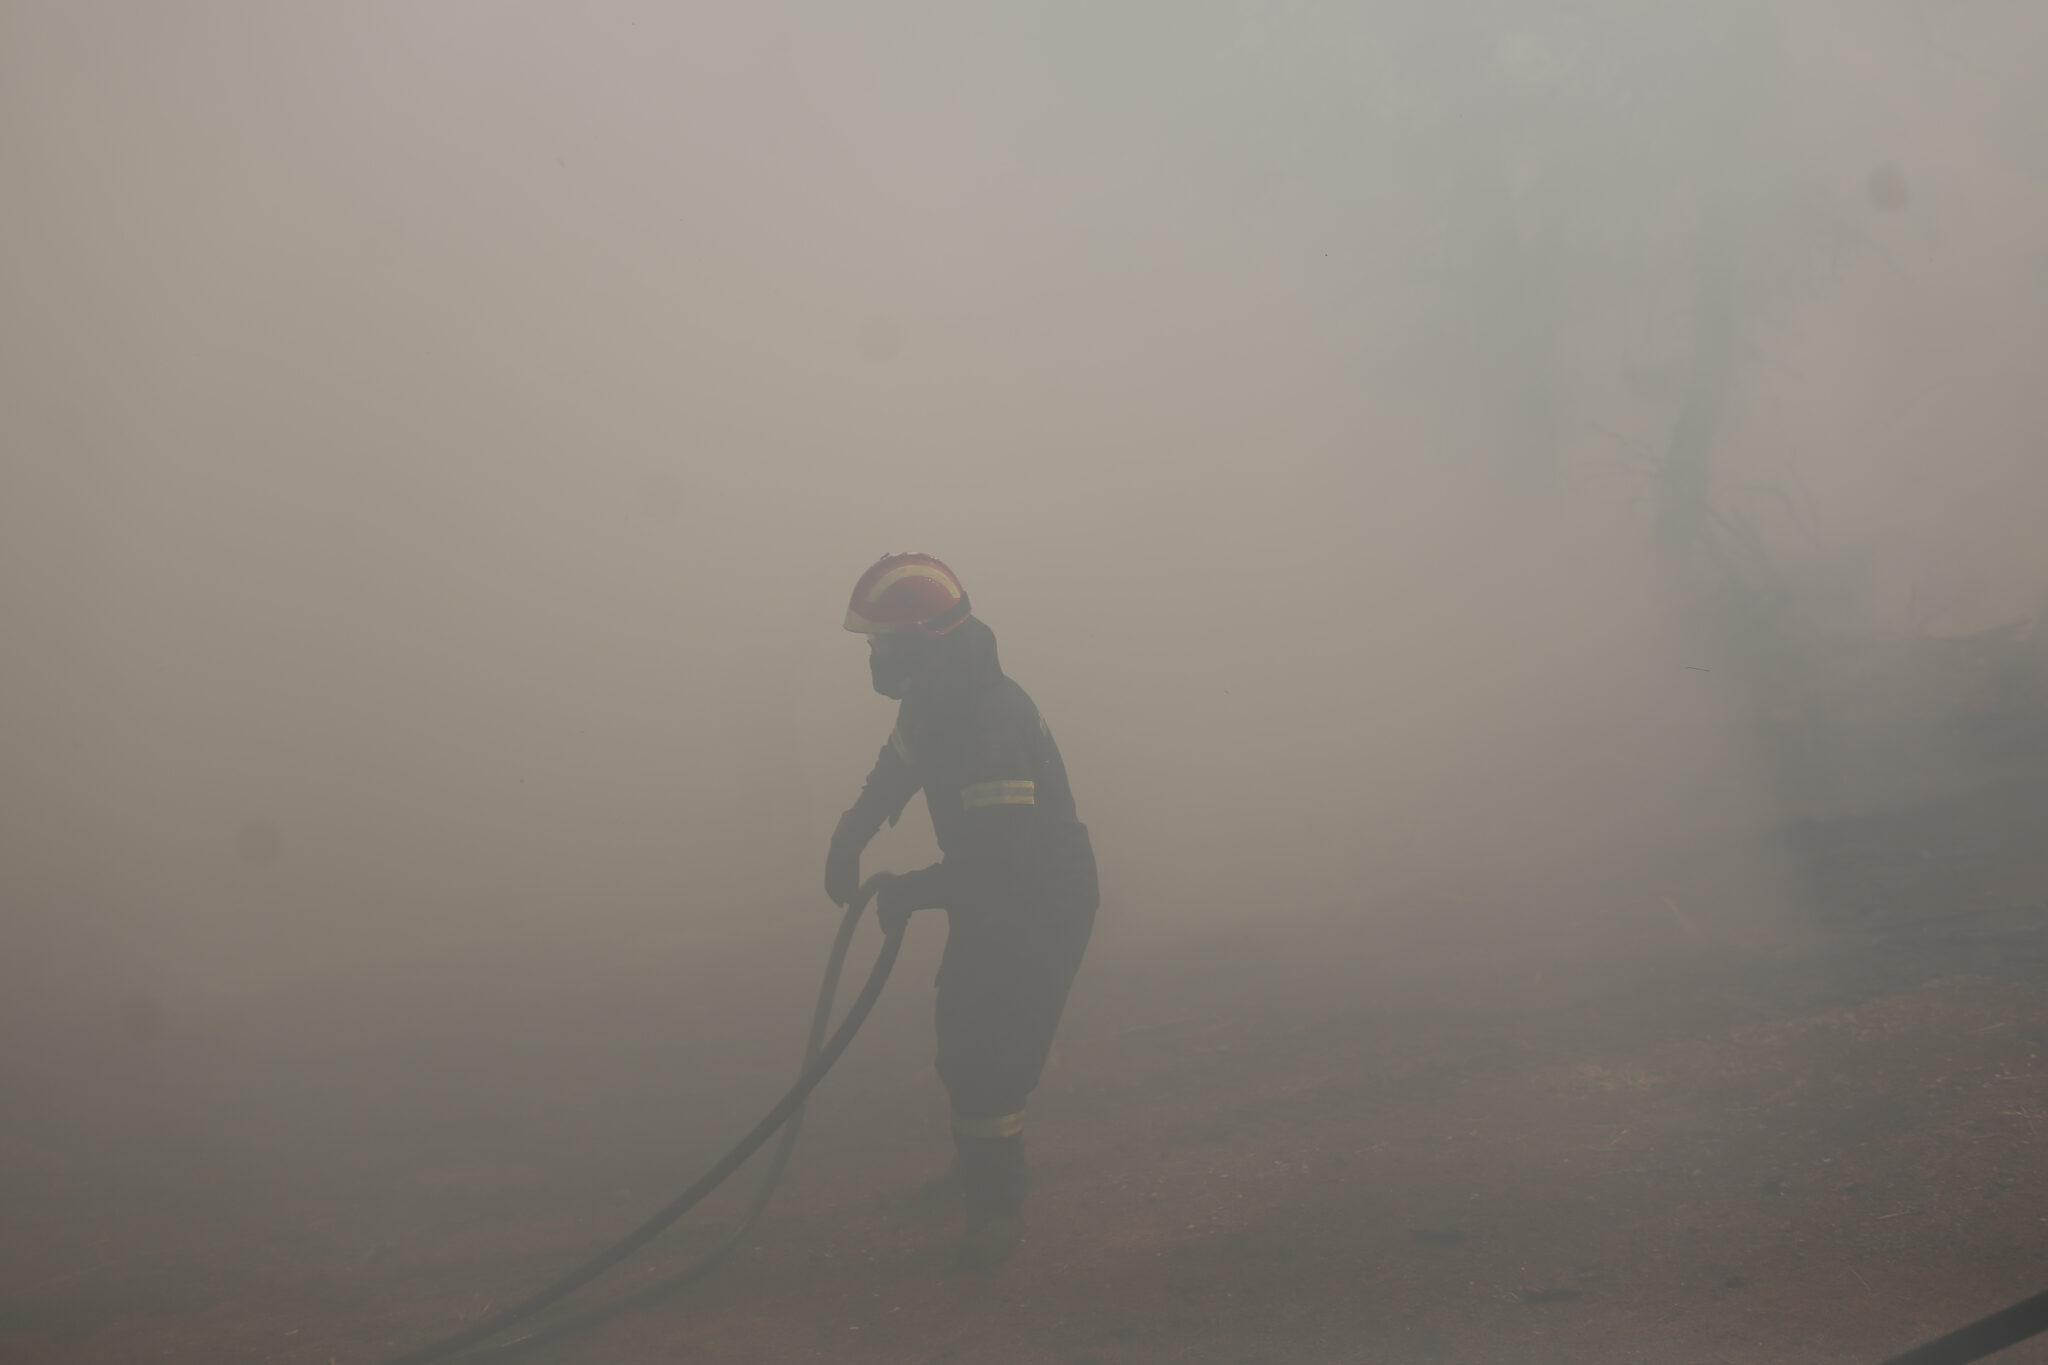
<point x="999" y="794"/>
<point x="1009" y="1125"/>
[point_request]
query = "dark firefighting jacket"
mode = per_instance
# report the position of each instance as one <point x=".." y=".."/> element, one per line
<point x="992" y="777"/>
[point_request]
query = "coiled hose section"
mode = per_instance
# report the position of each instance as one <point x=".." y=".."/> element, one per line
<point x="819" y="1055"/>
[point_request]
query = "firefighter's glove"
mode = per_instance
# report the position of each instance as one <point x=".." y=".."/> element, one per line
<point x="894" y="904"/>
<point x="842" y="863"/>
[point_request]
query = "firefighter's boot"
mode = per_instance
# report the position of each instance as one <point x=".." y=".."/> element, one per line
<point x="992" y="1177"/>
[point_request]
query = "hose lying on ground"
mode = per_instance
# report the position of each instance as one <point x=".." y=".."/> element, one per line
<point x="1973" y="1342"/>
<point x="817" y="1061"/>
<point x="763" y="1193"/>
<point x="2007" y="1327"/>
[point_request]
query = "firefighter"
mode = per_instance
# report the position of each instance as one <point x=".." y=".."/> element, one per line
<point x="1016" y="876"/>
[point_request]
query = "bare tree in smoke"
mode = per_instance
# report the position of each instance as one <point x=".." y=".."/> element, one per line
<point x="1604" y="154"/>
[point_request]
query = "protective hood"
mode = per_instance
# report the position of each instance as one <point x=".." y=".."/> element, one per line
<point x="955" y="667"/>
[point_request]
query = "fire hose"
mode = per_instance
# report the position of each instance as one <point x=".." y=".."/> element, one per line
<point x="1984" y="1337"/>
<point x="819" y="1055"/>
<point x="2006" y="1327"/>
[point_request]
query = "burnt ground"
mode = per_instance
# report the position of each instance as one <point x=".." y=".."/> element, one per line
<point x="1680" y="1133"/>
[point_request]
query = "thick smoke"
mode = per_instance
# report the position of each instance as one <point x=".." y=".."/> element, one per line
<point x="440" y="438"/>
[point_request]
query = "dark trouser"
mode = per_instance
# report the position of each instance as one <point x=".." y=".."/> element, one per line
<point x="1002" y="988"/>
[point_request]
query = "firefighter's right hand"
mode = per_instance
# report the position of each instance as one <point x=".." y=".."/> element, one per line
<point x="842" y="871"/>
<point x="892" y="908"/>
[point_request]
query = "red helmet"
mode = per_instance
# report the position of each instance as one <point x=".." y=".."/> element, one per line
<point x="905" y="595"/>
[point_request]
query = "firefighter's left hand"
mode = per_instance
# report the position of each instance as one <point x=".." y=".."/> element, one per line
<point x="892" y="907"/>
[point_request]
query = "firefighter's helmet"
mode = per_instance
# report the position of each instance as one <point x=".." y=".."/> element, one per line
<point x="908" y="594"/>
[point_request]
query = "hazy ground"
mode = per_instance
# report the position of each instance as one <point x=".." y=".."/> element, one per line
<point x="1683" y="1133"/>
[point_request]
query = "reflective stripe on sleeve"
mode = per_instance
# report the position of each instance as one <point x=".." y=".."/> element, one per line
<point x="1009" y="1125"/>
<point x="1014" y="793"/>
<point x="896" y="743"/>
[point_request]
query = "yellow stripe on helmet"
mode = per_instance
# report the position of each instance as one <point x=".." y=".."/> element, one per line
<point x="903" y="571"/>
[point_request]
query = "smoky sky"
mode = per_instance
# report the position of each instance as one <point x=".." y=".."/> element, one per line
<point x="439" y="439"/>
